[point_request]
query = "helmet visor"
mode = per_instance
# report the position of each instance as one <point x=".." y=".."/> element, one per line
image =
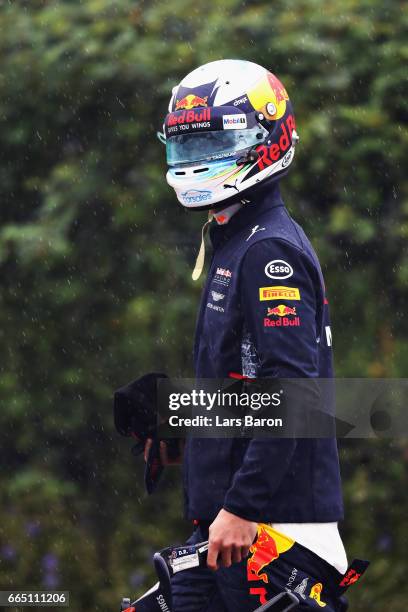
<point x="207" y="146"/>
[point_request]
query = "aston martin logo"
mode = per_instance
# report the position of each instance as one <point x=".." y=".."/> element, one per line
<point x="217" y="296"/>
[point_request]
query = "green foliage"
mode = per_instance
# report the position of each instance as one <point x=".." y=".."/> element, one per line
<point x="96" y="257"/>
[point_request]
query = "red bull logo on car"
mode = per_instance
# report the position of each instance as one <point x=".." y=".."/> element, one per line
<point x="191" y="101"/>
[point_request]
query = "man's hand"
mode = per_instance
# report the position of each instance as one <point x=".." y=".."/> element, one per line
<point x="163" y="452"/>
<point x="230" y="538"/>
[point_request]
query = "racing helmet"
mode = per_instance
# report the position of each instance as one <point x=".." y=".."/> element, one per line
<point x="230" y="126"/>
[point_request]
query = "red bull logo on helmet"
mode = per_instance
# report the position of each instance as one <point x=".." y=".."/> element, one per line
<point x="279" y="90"/>
<point x="272" y="153"/>
<point x="189" y="116"/>
<point x="191" y="101"/>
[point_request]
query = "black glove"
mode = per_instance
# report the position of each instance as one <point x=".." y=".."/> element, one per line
<point x="136" y="414"/>
<point x="135" y="407"/>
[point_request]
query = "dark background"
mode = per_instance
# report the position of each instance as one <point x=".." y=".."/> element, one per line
<point x="96" y="259"/>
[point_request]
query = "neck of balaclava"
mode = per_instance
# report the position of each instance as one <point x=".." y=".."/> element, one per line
<point x="223" y="216"/>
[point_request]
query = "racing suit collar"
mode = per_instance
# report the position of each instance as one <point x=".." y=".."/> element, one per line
<point x="261" y="199"/>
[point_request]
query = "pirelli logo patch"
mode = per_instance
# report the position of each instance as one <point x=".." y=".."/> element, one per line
<point x="278" y="293"/>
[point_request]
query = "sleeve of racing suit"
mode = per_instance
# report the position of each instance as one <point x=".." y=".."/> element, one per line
<point x="279" y="285"/>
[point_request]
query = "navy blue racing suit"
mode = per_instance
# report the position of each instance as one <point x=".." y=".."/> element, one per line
<point x="263" y="313"/>
<point x="262" y="260"/>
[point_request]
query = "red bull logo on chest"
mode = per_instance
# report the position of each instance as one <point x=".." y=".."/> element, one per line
<point x="286" y="317"/>
<point x="281" y="310"/>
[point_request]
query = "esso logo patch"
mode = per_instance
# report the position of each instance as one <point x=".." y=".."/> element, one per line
<point x="278" y="269"/>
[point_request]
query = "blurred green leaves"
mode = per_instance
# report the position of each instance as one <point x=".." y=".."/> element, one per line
<point x="96" y="257"/>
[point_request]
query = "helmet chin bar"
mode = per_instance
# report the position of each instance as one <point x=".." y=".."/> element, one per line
<point x="238" y="192"/>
